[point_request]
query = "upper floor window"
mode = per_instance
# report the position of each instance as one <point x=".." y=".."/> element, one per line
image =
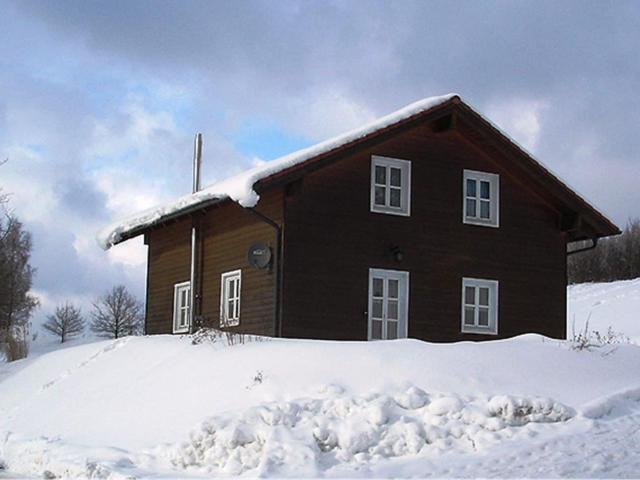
<point x="181" y="310"/>
<point x="481" y="198"/>
<point x="479" y="306"/>
<point x="390" y="185"/>
<point x="230" y="298"/>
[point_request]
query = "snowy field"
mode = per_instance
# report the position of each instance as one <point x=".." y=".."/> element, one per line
<point x="604" y="305"/>
<point x="163" y="407"/>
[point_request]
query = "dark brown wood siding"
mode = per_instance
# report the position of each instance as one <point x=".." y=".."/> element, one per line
<point x="332" y="239"/>
<point x="169" y="259"/>
<point x="225" y="234"/>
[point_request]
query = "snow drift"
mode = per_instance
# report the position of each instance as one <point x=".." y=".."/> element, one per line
<point x="308" y="434"/>
<point x="162" y="405"/>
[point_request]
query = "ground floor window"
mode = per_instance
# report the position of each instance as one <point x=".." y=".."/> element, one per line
<point x="479" y="306"/>
<point x="388" y="304"/>
<point x="181" y="304"/>
<point x="230" y="298"/>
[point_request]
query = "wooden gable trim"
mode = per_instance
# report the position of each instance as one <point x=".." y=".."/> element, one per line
<point x="545" y="184"/>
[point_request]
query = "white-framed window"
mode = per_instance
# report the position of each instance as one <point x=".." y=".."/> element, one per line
<point x="230" y="285"/>
<point x="390" y="186"/>
<point x="181" y="307"/>
<point x="388" y="304"/>
<point x="479" y="306"/>
<point x="481" y="198"/>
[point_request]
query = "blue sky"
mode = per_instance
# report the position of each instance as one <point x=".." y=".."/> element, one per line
<point x="99" y="101"/>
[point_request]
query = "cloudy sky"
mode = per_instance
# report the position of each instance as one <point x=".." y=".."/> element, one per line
<point x="99" y="101"/>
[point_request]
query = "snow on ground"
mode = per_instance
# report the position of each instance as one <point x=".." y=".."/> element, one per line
<point x="604" y="305"/>
<point x="163" y="407"/>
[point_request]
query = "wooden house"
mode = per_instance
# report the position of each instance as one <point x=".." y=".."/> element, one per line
<point x="427" y="223"/>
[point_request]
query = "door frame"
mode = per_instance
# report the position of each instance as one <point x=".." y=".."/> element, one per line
<point x="403" y="298"/>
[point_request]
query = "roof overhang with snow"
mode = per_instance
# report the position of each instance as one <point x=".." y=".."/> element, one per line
<point x="578" y="215"/>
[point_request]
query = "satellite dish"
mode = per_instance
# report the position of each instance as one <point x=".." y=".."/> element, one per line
<point x="259" y="255"/>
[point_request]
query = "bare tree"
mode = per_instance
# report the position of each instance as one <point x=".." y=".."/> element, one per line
<point x="66" y="322"/>
<point x="117" y="314"/>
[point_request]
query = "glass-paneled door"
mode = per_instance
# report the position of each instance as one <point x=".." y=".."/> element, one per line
<point x="388" y="304"/>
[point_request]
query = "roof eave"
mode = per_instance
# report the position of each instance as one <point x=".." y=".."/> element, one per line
<point x="174" y="216"/>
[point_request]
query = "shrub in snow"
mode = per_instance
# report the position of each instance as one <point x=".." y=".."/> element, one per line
<point x="224" y="337"/>
<point x="302" y="435"/>
<point x="589" y="339"/>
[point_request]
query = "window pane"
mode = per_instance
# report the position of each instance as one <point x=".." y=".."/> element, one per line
<point x="236" y="306"/>
<point x="471" y="188"/>
<point x="231" y="288"/>
<point x="469" y="295"/>
<point x="392" y="330"/>
<point x="471" y="208"/>
<point x="376" y="309"/>
<point x="381" y="175"/>
<point x="393" y="288"/>
<point x="483" y="317"/>
<point x="395" y="178"/>
<point x="392" y="309"/>
<point x="230" y="309"/>
<point x="183" y="297"/>
<point x="394" y="197"/>
<point x="380" y="198"/>
<point x="485" y="189"/>
<point x="376" y="329"/>
<point x="484" y="296"/>
<point x="377" y="287"/>
<point x="468" y="316"/>
<point x="485" y="208"/>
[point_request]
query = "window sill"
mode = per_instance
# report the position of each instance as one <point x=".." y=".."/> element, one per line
<point x="479" y="331"/>
<point x="480" y="223"/>
<point x="397" y="213"/>
<point x="235" y="323"/>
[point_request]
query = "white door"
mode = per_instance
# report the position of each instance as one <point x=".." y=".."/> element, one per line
<point x="388" y="304"/>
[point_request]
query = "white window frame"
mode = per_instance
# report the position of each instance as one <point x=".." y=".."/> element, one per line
<point x="227" y="319"/>
<point x="178" y="307"/>
<point x="403" y="302"/>
<point x="405" y="186"/>
<point x="493" y="286"/>
<point x="494" y="198"/>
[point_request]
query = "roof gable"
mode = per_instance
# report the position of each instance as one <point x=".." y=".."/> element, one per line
<point x="244" y="188"/>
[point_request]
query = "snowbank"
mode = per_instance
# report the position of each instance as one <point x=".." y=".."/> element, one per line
<point x="240" y="187"/>
<point x="149" y="405"/>
<point x="303" y="437"/>
<point x="604" y="305"/>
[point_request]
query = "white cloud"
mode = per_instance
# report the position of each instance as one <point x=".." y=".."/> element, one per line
<point x="326" y="114"/>
<point x="132" y="128"/>
<point x="30" y="183"/>
<point x="520" y="118"/>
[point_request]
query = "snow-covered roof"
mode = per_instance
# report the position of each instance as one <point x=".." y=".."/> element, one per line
<point x="240" y="187"/>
